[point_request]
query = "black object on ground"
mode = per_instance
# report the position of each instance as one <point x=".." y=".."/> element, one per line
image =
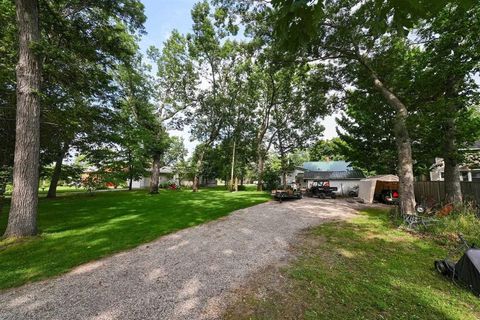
<point x="466" y="270"/>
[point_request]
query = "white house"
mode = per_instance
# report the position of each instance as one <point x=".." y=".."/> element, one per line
<point x="469" y="171"/>
<point x="166" y="174"/>
<point x="339" y="173"/>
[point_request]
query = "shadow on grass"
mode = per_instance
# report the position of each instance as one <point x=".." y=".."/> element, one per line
<point x="79" y="228"/>
<point x="363" y="269"/>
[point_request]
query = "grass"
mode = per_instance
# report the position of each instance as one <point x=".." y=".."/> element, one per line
<point x="360" y="269"/>
<point x="78" y="228"/>
<point x="43" y="190"/>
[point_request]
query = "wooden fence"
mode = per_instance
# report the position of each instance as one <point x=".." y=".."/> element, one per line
<point x="436" y="190"/>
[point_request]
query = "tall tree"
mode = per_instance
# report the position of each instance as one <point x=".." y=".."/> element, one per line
<point x="450" y="59"/>
<point x="22" y="220"/>
<point x="326" y="150"/>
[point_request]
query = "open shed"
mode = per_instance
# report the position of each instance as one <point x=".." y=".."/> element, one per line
<point x="369" y="187"/>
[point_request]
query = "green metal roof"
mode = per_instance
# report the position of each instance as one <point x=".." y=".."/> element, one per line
<point x="327" y="166"/>
<point x="334" y="175"/>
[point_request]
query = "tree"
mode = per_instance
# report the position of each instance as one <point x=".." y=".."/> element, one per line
<point x="450" y="59"/>
<point x="295" y="118"/>
<point x="366" y="132"/>
<point x="22" y="220"/>
<point x="208" y="55"/>
<point x="326" y="150"/>
<point x="82" y="47"/>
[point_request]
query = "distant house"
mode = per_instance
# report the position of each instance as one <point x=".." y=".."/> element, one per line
<point x="339" y="173"/>
<point x="166" y="175"/>
<point x="469" y="171"/>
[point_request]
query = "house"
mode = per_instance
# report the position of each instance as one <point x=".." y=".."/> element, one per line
<point x="339" y="173"/>
<point x="469" y="171"/>
<point x="166" y="175"/>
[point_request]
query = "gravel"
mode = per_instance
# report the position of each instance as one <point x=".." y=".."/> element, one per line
<point x="190" y="274"/>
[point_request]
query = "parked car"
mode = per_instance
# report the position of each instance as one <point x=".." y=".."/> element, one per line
<point x="389" y="196"/>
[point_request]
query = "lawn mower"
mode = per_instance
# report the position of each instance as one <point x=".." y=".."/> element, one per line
<point x="466" y="270"/>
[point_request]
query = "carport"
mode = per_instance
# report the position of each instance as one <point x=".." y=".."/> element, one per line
<point x="369" y="187"/>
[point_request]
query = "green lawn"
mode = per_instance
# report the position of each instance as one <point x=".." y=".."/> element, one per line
<point x="361" y="269"/>
<point x="77" y="228"/>
<point x="43" y="190"/>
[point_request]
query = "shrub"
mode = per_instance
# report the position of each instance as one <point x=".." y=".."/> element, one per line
<point x="242" y="188"/>
<point x="462" y="220"/>
<point x="164" y="185"/>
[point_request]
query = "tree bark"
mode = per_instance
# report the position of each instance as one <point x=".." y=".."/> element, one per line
<point x="233" y="167"/>
<point x="198" y="167"/>
<point x="52" y="189"/>
<point x="22" y="220"/>
<point x="260" y="169"/>
<point x="130" y="171"/>
<point x="155" y="177"/>
<point x="283" y="160"/>
<point x="404" y="148"/>
<point x="453" y="188"/>
<point x="130" y="182"/>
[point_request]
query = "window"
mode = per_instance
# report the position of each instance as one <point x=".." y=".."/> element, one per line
<point x="442" y="175"/>
<point x="476" y="176"/>
<point x="464" y="175"/>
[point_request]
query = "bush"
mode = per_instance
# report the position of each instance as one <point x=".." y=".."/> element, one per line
<point x="464" y="220"/>
<point x="242" y="188"/>
<point x="164" y="185"/>
<point x="271" y="179"/>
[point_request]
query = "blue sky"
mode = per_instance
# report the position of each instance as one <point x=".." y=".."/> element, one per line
<point x="162" y="17"/>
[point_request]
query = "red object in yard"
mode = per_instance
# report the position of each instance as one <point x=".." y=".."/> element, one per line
<point x="110" y="185"/>
<point x="395" y="194"/>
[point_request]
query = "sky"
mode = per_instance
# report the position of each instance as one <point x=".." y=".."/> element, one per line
<point x="165" y="15"/>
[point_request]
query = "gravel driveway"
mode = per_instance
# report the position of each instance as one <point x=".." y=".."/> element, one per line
<point x="186" y="275"/>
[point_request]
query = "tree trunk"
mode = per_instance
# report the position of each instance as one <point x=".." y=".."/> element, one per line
<point x="130" y="171"/>
<point x="155" y="177"/>
<point x="52" y="189"/>
<point x="198" y="167"/>
<point x="233" y="167"/>
<point x="22" y="220"/>
<point x="453" y="188"/>
<point x="260" y="168"/>
<point x="404" y="149"/>
<point x="283" y="160"/>
<point x="130" y="182"/>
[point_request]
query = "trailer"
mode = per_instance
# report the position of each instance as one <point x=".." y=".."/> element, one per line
<point x="289" y="192"/>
